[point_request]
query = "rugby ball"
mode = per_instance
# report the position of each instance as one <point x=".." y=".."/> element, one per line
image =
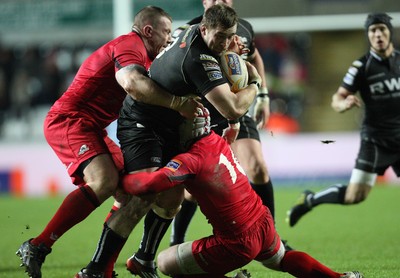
<point x="234" y="69"/>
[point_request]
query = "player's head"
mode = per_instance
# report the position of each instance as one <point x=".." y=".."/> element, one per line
<point x="154" y="25"/>
<point x="379" y="32"/>
<point x="209" y="3"/>
<point x="218" y="27"/>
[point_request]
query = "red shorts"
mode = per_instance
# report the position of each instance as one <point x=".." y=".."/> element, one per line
<point x="75" y="140"/>
<point x="222" y="254"/>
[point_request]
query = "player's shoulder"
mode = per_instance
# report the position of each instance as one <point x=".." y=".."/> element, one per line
<point x="195" y="20"/>
<point x="243" y="23"/>
<point x="396" y="54"/>
<point x="186" y="26"/>
<point x="361" y="61"/>
<point x="129" y="39"/>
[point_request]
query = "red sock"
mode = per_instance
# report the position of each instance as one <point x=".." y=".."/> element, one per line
<point x="302" y="265"/>
<point x="75" y="207"/>
<point x="111" y="212"/>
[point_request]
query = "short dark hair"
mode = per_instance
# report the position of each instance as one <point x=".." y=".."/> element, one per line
<point x="220" y="15"/>
<point x="149" y="15"/>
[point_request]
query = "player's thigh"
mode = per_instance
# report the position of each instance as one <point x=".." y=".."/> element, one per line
<point x="101" y="175"/>
<point x="215" y="255"/>
<point x="77" y="141"/>
<point x="250" y="155"/>
<point x="144" y="147"/>
<point x="178" y="259"/>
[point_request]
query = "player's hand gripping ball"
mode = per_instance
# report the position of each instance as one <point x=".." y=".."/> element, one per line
<point x="234" y="69"/>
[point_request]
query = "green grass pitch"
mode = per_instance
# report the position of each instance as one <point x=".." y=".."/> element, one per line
<point x="364" y="237"/>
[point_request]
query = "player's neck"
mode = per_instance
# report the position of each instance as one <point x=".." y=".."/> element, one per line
<point x="384" y="53"/>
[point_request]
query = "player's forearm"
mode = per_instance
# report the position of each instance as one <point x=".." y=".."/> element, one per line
<point x="339" y="103"/>
<point x="147" y="91"/>
<point x="141" y="88"/>
<point x="146" y="183"/>
<point x="259" y="64"/>
<point x="243" y="101"/>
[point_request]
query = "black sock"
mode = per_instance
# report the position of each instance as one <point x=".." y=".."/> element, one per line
<point x="181" y="222"/>
<point x="266" y="193"/>
<point x="108" y="248"/>
<point x="155" y="228"/>
<point x="331" y="195"/>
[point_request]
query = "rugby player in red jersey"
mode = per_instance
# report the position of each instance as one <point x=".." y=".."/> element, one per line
<point x="75" y="125"/>
<point x="243" y="228"/>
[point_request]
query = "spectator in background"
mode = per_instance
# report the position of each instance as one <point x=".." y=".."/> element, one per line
<point x="376" y="77"/>
<point x="280" y="121"/>
<point x="6" y="74"/>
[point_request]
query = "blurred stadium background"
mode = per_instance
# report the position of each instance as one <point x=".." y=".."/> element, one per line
<point x="306" y="45"/>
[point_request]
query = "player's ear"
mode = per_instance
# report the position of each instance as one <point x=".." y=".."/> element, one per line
<point x="148" y="30"/>
<point x="203" y="29"/>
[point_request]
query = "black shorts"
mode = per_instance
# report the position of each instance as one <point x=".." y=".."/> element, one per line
<point x="144" y="145"/>
<point x="374" y="158"/>
<point x="248" y="128"/>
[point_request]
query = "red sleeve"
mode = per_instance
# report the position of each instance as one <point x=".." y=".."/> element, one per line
<point x="130" y="50"/>
<point x="180" y="169"/>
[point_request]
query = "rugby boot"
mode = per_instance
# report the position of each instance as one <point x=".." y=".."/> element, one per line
<point x="302" y="207"/>
<point x="352" y="274"/>
<point x="32" y="257"/>
<point x="134" y="266"/>
<point x="243" y="273"/>
<point x="88" y="273"/>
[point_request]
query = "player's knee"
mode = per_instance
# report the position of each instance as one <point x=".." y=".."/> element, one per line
<point x="166" y="261"/>
<point x="274" y="262"/>
<point x="259" y="174"/>
<point x="104" y="186"/>
<point x="356" y="194"/>
<point x="352" y="200"/>
<point x="161" y="263"/>
<point x="167" y="213"/>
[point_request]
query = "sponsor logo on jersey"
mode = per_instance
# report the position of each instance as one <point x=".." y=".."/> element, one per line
<point x="214" y="75"/>
<point x="211" y="66"/>
<point x="357" y="64"/>
<point x="389" y="85"/>
<point x="173" y="165"/>
<point x="353" y="70"/>
<point x="84" y="148"/>
<point x="348" y="79"/>
<point x="205" y="57"/>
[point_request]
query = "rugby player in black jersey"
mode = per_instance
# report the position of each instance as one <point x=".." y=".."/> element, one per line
<point x="149" y="135"/>
<point x="247" y="146"/>
<point x="376" y="77"/>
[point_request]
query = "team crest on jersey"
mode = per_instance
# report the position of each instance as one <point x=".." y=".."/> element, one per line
<point x="214" y="75"/>
<point x="173" y="165"/>
<point x="84" y="148"/>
